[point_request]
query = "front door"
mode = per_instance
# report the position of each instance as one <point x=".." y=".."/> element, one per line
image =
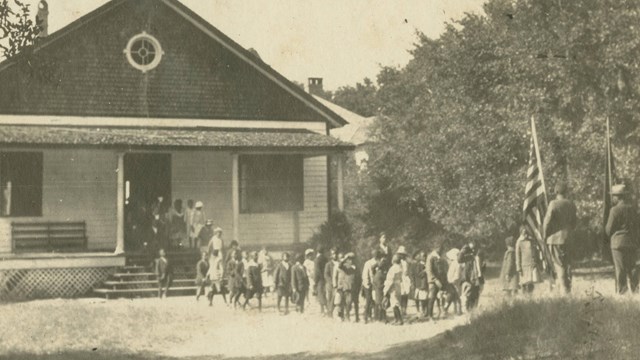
<point x="147" y="179"/>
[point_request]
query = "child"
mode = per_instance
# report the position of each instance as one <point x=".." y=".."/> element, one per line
<point x="527" y="261"/>
<point x="253" y="281"/>
<point x="422" y="284"/>
<point x="393" y="288"/>
<point x="509" y="273"/>
<point x="235" y="269"/>
<point x="436" y="277"/>
<point x="299" y="283"/>
<point x="282" y="283"/>
<point x="346" y="284"/>
<point x="163" y="273"/>
<point x="202" y="268"/>
<point x="379" y="277"/>
<point x="216" y="270"/>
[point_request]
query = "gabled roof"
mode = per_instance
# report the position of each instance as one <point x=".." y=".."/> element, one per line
<point x="263" y="95"/>
<point x="357" y="129"/>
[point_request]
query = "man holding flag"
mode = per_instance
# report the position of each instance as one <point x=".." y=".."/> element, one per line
<point x="535" y="201"/>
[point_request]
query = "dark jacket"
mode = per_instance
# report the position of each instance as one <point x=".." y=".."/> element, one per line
<point x="201" y="271"/>
<point x="254" y="278"/>
<point x="282" y="277"/>
<point x="623" y="226"/>
<point x="163" y="268"/>
<point x="346" y="277"/>
<point x="560" y="222"/>
<point x="434" y="268"/>
<point x="420" y="276"/>
<point x="299" y="279"/>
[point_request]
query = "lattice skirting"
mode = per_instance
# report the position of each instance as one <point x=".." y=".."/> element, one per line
<point x="29" y="284"/>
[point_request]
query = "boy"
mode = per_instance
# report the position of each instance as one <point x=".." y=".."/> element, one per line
<point x="393" y="288"/>
<point x="216" y="270"/>
<point x="368" y="273"/>
<point x="346" y="278"/>
<point x="299" y="283"/>
<point x="254" y="281"/>
<point x="328" y="280"/>
<point x="163" y="273"/>
<point x="202" y="268"/>
<point x="436" y="278"/>
<point x="282" y="279"/>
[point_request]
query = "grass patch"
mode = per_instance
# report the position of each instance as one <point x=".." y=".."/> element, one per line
<point x="563" y="328"/>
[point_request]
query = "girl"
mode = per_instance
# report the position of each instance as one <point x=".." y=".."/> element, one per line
<point x="527" y="261"/>
<point x="509" y="273"/>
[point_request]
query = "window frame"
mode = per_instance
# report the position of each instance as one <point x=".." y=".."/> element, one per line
<point x="294" y="190"/>
<point x="39" y="155"/>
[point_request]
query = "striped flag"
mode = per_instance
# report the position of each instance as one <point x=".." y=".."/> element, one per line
<point x="535" y="200"/>
<point x="609" y="180"/>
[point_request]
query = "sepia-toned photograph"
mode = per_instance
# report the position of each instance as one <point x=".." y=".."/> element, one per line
<point x="319" y="179"/>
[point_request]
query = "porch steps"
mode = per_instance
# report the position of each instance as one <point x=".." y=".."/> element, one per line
<point x="138" y="279"/>
<point x="131" y="293"/>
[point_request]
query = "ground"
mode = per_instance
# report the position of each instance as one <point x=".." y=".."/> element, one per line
<point x="183" y="328"/>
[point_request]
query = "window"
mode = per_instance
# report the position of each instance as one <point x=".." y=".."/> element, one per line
<point x="144" y="52"/>
<point x="271" y="183"/>
<point x="21" y="184"/>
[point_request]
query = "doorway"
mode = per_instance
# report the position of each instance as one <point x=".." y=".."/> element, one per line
<point x="147" y="178"/>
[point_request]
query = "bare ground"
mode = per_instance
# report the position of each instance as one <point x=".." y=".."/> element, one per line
<point x="183" y="328"/>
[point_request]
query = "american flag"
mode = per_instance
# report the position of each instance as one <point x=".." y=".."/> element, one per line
<point x="535" y="200"/>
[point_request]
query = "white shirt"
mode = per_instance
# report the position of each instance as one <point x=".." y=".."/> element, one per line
<point x="367" y="273"/>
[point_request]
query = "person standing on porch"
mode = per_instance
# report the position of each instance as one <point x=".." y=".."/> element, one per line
<point x="177" y="225"/>
<point x="198" y="222"/>
<point x="204" y="237"/>
<point x="623" y="228"/>
<point x="188" y="217"/>
<point x="163" y="274"/>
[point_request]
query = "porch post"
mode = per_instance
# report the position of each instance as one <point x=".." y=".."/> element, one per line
<point x="235" y="194"/>
<point x="120" y="206"/>
<point x="340" y="182"/>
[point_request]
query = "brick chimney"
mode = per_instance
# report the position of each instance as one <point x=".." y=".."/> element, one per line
<point x="315" y="86"/>
<point x="42" y="18"/>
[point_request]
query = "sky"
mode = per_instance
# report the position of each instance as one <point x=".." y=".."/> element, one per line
<point x="341" y="41"/>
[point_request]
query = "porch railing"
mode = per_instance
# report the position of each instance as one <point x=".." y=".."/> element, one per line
<point x="49" y="237"/>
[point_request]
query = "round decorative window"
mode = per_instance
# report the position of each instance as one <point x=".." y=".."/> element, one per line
<point x="144" y="52"/>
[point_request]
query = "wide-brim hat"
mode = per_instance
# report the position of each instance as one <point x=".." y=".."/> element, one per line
<point x="218" y="229"/>
<point x="349" y="255"/>
<point x="401" y="250"/>
<point x="619" y="190"/>
<point x="199" y="204"/>
<point x="308" y="251"/>
<point x="209" y="222"/>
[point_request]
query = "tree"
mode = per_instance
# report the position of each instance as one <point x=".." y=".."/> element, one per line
<point x="17" y="29"/>
<point x="360" y="99"/>
<point x="453" y="124"/>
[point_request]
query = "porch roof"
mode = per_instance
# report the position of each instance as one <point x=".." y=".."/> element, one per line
<point x="219" y="138"/>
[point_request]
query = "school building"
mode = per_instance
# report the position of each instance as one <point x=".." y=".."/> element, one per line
<point x="140" y="99"/>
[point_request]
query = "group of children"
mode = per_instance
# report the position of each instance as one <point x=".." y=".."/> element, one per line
<point x="386" y="280"/>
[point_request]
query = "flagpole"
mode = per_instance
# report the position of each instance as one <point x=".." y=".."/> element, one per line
<point x="609" y="158"/>
<point x="534" y="135"/>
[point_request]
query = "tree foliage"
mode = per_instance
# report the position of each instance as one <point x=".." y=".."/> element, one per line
<point x="453" y="130"/>
<point x="361" y="98"/>
<point x="17" y="28"/>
